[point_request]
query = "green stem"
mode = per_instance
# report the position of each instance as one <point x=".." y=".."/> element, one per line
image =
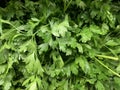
<point x="111" y="51"/>
<point x="66" y="6"/>
<point x="7" y="22"/>
<point x="108" y="57"/>
<point x="115" y="73"/>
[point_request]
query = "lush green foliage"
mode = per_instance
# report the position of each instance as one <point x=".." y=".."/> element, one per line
<point x="60" y="45"/>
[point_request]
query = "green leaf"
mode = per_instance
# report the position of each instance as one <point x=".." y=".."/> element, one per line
<point x="0" y="27"/>
<point x="59" y="29"/>
<point x="3" y="56"/>
<point x="80" y="48"/>
<point x="43" y="48"/>
<point x="118" y="69"/>
<point x="72" y="43"/>
<point x="38" y="80"/>
<point x="63" y="85"/>
<point x="62" y="30"/>
<point x="111" y="43"/>
<point x="53" y="44"/>
<point x="83" y="63"/>
<point x="7" y="85"/>
<point x="117" y="81"/>
<point x="10" y="63"/>
<point x="54" y="27"/>
<point x="95" y="29"/>
<point x="27" y="81"/>
<point x="68" y="52"/>
<point x="81" y="4"/>
<point x="8" y="34"/>
<point x="33" y="86"/>
<point x="52" y="87"/>
<point x="1" y="82"/>
<point x="43" y="29"/>
<point x="104" y="29"/>
<point x="38" y="67"/>
<point x="62" y="44"/>
<point x="93" y="13"/>
<point x="3" y="68"/>
<point x="111" y="18"/>
<point x="86" y="34"/>
<point x="74" y="68"/>
<point x="63" y="26"/>
<point x="60" y="61"/>
<point x="91" y="81"/>
<point x="46" y="45"/>
<point x="28" y="45"/>
<point x="30" y="60"/>
<point x="35" y="19"/>
<point x="99" y="86"/>
<point x="67" y="71"/>
<point x="57" y="58"/>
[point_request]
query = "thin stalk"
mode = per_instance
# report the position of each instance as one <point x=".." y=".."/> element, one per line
<point x="66" y="6"/>
<point x="111" y="51"/>
<point x="115" y="73"/>
<point x="7" y="22"/>
<point x="108" y="57"/>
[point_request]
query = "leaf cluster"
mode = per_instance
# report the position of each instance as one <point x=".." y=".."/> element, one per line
<point x="60" y="45"/>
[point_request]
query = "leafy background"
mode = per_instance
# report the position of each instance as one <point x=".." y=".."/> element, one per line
<point x="59" y="45"/>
